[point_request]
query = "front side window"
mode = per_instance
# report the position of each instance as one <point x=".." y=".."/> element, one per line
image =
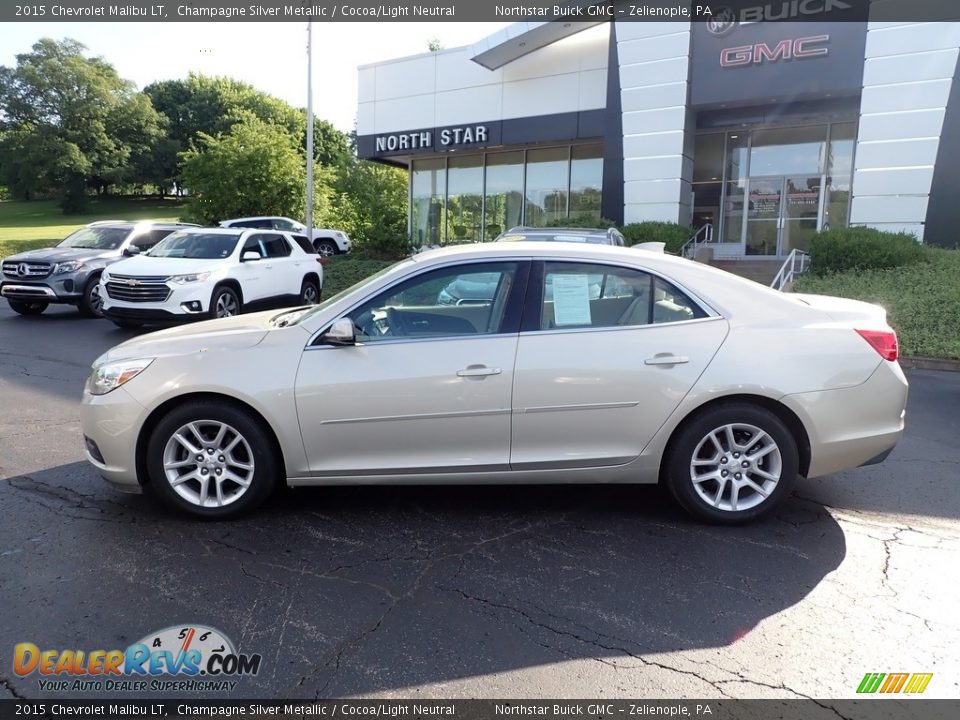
<point x="459" y="301"/>
<point x="284" y="224"/>
<point x="148" y="239"/>
<point x="584" y="295"/>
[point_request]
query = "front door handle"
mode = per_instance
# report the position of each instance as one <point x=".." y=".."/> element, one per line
<point x="666" y="360"/>
<point x="478" y="371"/>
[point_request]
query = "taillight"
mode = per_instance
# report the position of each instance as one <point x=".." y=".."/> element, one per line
<point x="883" y="341"/>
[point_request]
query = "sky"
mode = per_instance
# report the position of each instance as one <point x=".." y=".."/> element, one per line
<point x="269" y="56"/>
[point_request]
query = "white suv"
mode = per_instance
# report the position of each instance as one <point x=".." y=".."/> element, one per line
<point x="211" y="273"/>
<point x="326" y="241"/>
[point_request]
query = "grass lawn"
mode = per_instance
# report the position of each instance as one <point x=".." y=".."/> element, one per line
<point x="922" y="300"/>
<point x="40" y="223"/>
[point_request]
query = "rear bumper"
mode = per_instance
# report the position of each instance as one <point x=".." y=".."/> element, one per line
<point x="853" y="426"/>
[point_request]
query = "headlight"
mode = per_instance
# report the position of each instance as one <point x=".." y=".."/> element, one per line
<point x="190" y="278"/>
<point x="112" y="375"/>
<point x="67" y="267"/>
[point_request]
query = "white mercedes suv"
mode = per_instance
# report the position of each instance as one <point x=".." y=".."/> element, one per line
<point x="208" y="273"/>
<point x="325" y="240"/>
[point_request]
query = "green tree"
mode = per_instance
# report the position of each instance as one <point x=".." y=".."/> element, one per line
<point x="254" y="169"/>
<point x="69" y="121"/>
<point x="212" y="105"/>
<point x="370" y="204"/>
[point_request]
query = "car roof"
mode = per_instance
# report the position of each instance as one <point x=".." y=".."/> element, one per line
<point x="141" y="223"/>
<point x="259" y="217"/>
<point x="523" y="230"/>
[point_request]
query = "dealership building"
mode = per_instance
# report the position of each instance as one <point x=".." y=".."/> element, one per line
<point x="765" y="131"/>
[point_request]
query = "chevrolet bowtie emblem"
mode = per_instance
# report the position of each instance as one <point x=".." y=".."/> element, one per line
<point x="132" y="283"/>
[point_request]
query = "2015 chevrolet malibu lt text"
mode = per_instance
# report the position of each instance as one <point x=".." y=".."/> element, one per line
<point x="636" y="367"/>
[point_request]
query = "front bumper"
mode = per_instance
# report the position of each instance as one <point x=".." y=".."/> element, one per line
<point x="112" y="423"/>
<point x="853" y="426"/>
<point x="184" y="304"/>
<point x="59" y="291"/>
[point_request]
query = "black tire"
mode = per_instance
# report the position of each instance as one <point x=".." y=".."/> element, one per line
<point x="91" y="304"/>
<point x="692" y="443"/>
<point x="226" y="296"/>
<point x="327" y="248"/>
<point x="206" y="415"/>
<point x="309" y="292"/>
<point x="26" y="307"/>
<point x="127" y="324"/>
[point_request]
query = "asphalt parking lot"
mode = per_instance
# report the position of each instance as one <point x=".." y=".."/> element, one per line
<point x="511" y="592"/>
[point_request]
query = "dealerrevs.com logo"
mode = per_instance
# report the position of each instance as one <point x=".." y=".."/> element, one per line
<point x="178" y="658"/>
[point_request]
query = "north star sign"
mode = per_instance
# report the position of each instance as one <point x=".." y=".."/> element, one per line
<point x="424" y="139"/>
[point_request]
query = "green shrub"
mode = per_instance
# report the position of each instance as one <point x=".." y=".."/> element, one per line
<point x="672" y="234"/>
<point x="859" y="248"/>
<point x="341" y="272"/>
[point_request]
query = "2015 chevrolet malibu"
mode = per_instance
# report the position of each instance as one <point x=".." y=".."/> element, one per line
<point x="672" y="372"/>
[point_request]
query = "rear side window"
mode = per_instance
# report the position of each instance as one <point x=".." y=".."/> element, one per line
<point x="584" y="295"/>
<point x="304" y="244"/>
<point x="275" y="246"/>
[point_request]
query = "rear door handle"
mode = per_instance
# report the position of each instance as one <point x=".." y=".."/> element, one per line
<point x="478" y="371"/>
<point x="666" y="360"/>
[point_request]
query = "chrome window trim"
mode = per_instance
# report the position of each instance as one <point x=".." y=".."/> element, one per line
<point x="618" y="328"/>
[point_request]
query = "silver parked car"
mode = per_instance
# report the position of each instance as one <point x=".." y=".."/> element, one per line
<point x="722" y="389"/>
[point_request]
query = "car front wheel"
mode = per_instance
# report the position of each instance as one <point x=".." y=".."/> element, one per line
<point x="211" y="459"/>
<point x="91" y="304"/>
<point x="27" y="308"/>
<point x="327" y="248"/>
<point x="732" y="464"/>
<point x="224" y="303"/>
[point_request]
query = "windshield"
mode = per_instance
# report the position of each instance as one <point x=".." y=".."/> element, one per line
<point x="288" y="319"/>
<point x="96" y="238"/>
<point x="195" y="246"/>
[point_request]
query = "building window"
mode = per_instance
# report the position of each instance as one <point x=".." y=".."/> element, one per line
<point x="428" y="189"/>
<point x="586" y="181"/>
<point x="465" y="198"/>
<point x="504" y="193"/>
<point x="843" y="137"/>
<point x="547" y="182"/>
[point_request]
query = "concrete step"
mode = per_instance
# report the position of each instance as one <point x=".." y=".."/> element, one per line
<point x="761" y="271"/>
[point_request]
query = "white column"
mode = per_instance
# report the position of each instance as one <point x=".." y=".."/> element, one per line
<point x="657" y="125"/>
<point x="906" y="82"/>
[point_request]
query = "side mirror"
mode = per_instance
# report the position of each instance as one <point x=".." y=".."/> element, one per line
<point x="340" y="334"/>
<point x="131" y="250"/>
<point x="250" y="256"/>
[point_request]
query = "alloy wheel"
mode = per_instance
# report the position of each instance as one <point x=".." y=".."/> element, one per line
<point x="736" y="467"/>
<point x="208" y="463"/>
<point x="226" y="305"/>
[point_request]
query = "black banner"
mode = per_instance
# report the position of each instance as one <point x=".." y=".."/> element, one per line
<point x="810" y="709"/>
<point x="472" y="10"/>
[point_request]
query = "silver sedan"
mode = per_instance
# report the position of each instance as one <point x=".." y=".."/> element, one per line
<point x="636" y="367"/>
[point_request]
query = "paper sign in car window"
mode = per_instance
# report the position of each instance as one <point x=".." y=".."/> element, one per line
<point x="571" y="300"/>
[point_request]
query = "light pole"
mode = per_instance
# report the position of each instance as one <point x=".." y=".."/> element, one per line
<point x="310" y="130"/>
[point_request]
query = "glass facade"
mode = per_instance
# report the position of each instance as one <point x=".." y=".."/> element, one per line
<point x="770" y="189"/>
<point x="475" y="197"/>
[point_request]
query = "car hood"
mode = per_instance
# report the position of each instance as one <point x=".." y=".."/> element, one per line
<point x="143" y="266"/>
<point x="59" y="254"/>
<point x="236" y="333"/>
<point x="864" y="314"/>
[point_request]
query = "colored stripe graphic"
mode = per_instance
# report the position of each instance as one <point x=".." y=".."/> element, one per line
<point x="918" y="683"/>
<point x="870" y="682"/>
<point x="895" y="681"/>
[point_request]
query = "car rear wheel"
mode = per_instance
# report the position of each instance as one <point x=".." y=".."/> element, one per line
<point x="224" y="303"/>
<point x="327" y="248"/>
<point x="732" y="464"/>
<point x="309" y="293"/>
<point x="27" y="308"/>
<point x="212" y="460"/>
<point x="91" y="304"/>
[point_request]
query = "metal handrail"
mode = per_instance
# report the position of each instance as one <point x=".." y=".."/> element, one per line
<point x="797" y="262"/>
<point x="701" y="237"/>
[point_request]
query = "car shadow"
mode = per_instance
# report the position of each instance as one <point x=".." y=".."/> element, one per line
<point x="357" y="590"/>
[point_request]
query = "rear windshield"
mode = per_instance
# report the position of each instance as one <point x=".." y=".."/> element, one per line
<point x="96" y="238"/>
<point x="196" y="246"/>
<point x="556" y="237"/>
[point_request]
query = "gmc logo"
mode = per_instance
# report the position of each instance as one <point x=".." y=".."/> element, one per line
<point x="798" y="49"/>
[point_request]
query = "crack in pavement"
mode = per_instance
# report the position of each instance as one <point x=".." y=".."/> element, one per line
<point x="68" y="498"/>
<point x="336" y="657"/>
<point x="5" y="683"/>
